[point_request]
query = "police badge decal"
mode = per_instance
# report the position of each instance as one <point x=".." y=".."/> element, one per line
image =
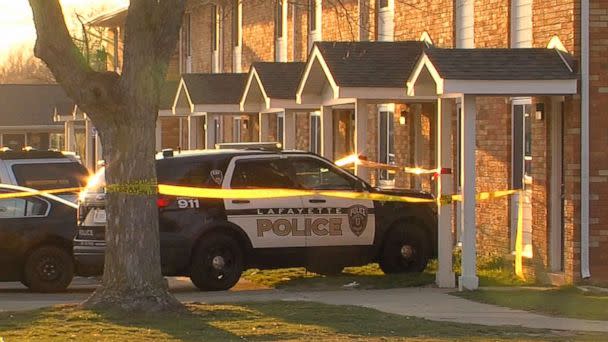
<point x="357" y="219"/>
<point x="217" y="176"/>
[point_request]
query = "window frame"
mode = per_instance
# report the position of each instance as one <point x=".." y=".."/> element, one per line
<point x="236" y="129"/>
<point x="384" y="134"/>
<point x="278" y="19"/>
<point x="214" y="28"/>
<point x="46" y="214"/>
<point x="315" y="135"/>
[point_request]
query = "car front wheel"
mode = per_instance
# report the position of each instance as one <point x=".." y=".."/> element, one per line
<point x="405" y="250"/>
<point x="217" y="263"/>
<point x="48" y="269"/>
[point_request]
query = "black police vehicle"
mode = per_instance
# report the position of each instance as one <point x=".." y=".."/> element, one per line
<point x="36" y="235"/>
<point x="213" y="240"/>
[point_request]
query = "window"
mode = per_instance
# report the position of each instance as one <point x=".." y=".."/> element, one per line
<point x="236" y="130"/>
<point x="15" y="142"/>
<point x="386" y="143"/>
<point x="23" y="207"/>
<point x="315" y="174"/>
<point x="187" y="174"/>
<point x="312" y="15"/>
<point x="278" y="19"/>
<point x="51" y="175"/>
<point x="57" y="141"/>
<point x="214" y="29"/>
<point x="382" y="4"/>
<point x="217" y="132"/>
<point x="186" y="43"/>
<point x="268" y="173"/>
<point x="315" y="132"/>
<point x="39" y="141"/>
<point x="281" y="128"/>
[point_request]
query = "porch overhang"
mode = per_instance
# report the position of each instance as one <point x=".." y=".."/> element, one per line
<point x="209" y="93"/>
<point x="341" y="73"/>
<point x="113" y="18"/>
<point x="523" y="72"/>
<point x="271" y="88"/>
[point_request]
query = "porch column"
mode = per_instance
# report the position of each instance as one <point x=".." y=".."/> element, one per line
<point x="445" y="276"/>
<point x="70" y="136"/>
<point x="290" y="130"/>
<point x="210" y="131"/>
<point x="192" y="132"/>
<point x="264" y="127"/>
<point x="361" y="115"/>
<point x="468" y="280"/>
<point x="417" y="131"/>
<point x="327" y="127"/>
<point x="89" y="146"/>
<point x="159" y="134"/>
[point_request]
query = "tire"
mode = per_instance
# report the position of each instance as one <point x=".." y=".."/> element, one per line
<point x="217" y="263"/>
<point x="326" y="269"/>
<point x="48" y="269"/>
<point x="406" y="249"/>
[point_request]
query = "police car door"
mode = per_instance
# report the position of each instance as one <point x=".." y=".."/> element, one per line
<point x="269" y="223"/>
<point x="332" y="221"/>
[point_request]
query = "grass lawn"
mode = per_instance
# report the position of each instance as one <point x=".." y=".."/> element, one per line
<point x="492" y="272"/>
<point x="272" y="321"/>
<point x="566" y="302"/>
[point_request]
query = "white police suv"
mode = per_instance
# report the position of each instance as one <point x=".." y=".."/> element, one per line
<point x="213" y="240"/>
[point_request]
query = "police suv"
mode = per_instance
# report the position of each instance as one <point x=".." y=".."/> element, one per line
<point x="213" y="240"/>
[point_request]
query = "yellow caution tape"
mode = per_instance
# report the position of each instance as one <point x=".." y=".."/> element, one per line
<point x="519" y="238"/>
<point x="34" y="192"/>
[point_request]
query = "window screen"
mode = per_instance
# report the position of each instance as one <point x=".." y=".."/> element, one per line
<point x="51" y="175"/>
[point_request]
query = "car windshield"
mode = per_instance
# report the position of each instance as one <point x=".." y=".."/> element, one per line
<point x="51" y="175"/>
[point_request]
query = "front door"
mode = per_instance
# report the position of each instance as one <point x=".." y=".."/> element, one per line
<point x="269" y="223"/>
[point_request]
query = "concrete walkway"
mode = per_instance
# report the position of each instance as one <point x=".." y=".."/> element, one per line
<point x="430" y="303"/>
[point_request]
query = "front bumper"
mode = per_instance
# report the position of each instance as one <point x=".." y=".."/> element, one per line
<point x="89" y="257"/>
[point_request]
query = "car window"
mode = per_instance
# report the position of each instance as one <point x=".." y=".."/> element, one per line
<point x="264" y="173"/>
<point x="51" y="175"/>
<point x="189" y="174"/>
<point x="22" y="207"/>
<point x="315" y="174"/>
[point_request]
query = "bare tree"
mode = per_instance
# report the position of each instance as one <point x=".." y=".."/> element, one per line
<point x="124" y="109"/>
<point x="23" y="68"/>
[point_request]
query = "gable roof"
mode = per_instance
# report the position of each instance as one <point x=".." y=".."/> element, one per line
<point x="371" y="64"/>
<point x="215" y="88"/>
<point x="32" y="104"/>
<point x="280" y="80"/>
<point x="502" y="64"/>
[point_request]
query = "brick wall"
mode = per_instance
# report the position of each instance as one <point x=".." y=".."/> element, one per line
<point x="200" y="21"/>
<point x="303" y="131"/>
<point x="258" y="32"/>
<point x="436" y="17"/>
<point x="599" y="140"/>
<point x="492" y="23"/>
<point x="340" y="20"/>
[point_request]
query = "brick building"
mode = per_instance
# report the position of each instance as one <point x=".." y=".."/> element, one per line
<point x="552" y="145"/>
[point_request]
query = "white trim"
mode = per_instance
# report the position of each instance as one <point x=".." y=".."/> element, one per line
<point x="585" y="272"/>
<point x="217" y="108"/>
<point x="556" y="43"/>
<point x="423" y="62"/>
<point x="426" y="37"/>
<point x="254" y="74"/>
<point x="316" y="55"/>
<point x="182" y="85"/>
<point x="511" y="87"/>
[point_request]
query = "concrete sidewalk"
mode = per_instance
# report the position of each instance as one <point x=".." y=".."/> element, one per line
<point x="430" y="303"/>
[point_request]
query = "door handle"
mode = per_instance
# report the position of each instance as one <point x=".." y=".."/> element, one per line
<point x="317" y="201"/>
<point x="241" y="201"/>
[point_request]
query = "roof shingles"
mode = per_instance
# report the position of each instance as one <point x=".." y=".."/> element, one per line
<point x="32" y="104"/>
<point x="280" y="80"/>
<point x="215" y="88"/>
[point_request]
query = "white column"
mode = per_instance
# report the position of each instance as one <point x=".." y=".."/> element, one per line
<point x="327" y="127"/>
<point x="210" y="137"/>
<point x="465" y="24"/>
<point x="468" y="279"/>
<point x="281" y="42"/>
<point x="521" y="23"/>
<point x="445" y="276"/>
<point x="264" y="127"/>
<point x="98" y="150"/>
<point x="192" y="132"/>
<point x="69" y="136"/>
<point x="159" y="134"/>
<point x="386" y="22"/>
<point x="361" y="115"/>
<point x="237" y="51"/>
<point x="317" y="34"/>
<point x="89" y="145"/>
<point x="290" y="130"/>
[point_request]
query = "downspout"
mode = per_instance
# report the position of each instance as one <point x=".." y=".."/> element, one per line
<point x="585" y="139"/>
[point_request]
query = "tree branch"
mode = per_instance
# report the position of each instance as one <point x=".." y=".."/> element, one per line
<point x="94" y="92"/>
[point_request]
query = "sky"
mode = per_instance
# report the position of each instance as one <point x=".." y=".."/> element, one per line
<point x="17" y="26"/>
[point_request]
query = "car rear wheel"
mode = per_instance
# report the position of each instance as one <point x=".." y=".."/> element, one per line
<point x="217" y="264"/>
<point x="405" y="250"/>
<point x="48" y="269"/>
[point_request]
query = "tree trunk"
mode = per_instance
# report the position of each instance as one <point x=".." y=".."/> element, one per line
<point x="132" y="278"/>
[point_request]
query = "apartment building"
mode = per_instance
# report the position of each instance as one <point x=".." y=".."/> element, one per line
<point x="353" y="76"/>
